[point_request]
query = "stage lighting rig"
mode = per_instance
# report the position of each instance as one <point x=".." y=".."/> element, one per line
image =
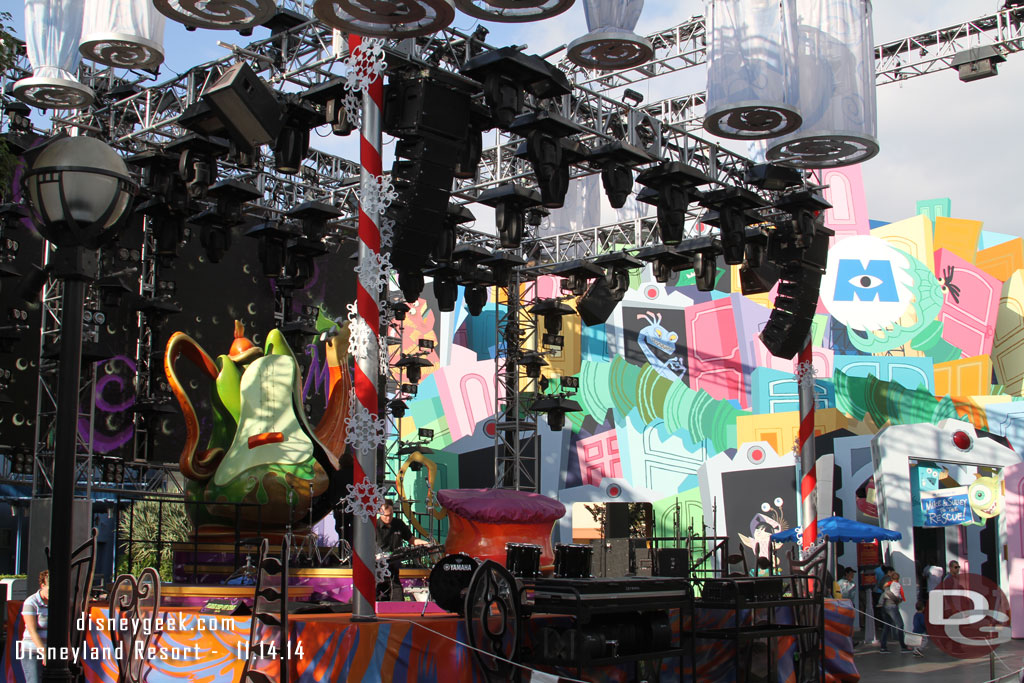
<point x="313" y="216"/>
<point x="552" y="311"/>
<point x="772" y="177"/>
<point x="757" y="274"/>
<point x="292" y="144"/>
<point x="502" y="264"/>
<point x="734" y="210"/>
<point x="617" y="160"/>
<point x="507" y="75"/>
<point x="273" y="237"/>
<point x="299" y="266"/>
<point x="397" y="407"/>
<point x="555" y="408"/>
<point x="510" y="202"/>
<point x="576" y="273"/>
<point x="446" y="286"/>
<point x="331" y="97"/>
<point x="605" y="293"/>
<point x="805" y="208"/>
<point x="532" y="362"/>
<point x="550" y="152"/>
<point x="413" y="366"/>
<point x="456" y="215"/>
<point x="411" y="284"/>
<point x="197" y="161"/>
<point x="673" y="187"/>
<point x="475" y="296"/>
<point x="473" y="149"/>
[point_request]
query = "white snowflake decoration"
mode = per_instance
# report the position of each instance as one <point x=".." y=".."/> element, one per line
<point x="363" y="500"/>
<point x="353" y="105"/>
<point x="374" y="271"/>
<point x="376" y="195"/>
<point x="382" y="573"/>
<point x="805" y="374"/>
<point x="360" y="333"/>
<point x="387" y="232"/>
<point x="363" y="430"/>
<point x="365" y="64"/>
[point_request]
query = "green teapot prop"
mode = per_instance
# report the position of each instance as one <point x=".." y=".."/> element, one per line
<point x="262" y="451"/>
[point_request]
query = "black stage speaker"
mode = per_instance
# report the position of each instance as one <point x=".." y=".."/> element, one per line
<point x="611" y="557"/>
<point x="246" y="106"/>
<point x="672" y="562"/>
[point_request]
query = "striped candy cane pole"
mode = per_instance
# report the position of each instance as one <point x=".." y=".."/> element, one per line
<point x="367" y="363"/>
<point x="809" y="478"/>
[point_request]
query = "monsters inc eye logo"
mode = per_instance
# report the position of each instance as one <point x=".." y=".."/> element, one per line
<point x="868" y="285"/>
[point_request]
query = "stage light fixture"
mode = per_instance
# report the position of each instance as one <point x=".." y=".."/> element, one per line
<point x="507" y="75"/>
<point x="575" y="275"/>
<point x="446" y="290"/>
<point x="456" y="215"/>
<point x="616" y="161"/>
<point x="757" y="274"/>
<point x="549" y="151"/>
<point x="733" y="211"/>
<point x="805" y="208"/>
<point x="299" y="265"/>
<point x="510" y="204"/>
<point x="605" y="293"/>
<point x="773" y="177"/>
<point x="399" y="309"/>
<point x="532" y="362"/>
<point x="197" y="161"/>
<point x="475" y="297"/>
<point x="413" y="367"/>
<point x="676" y="186"/>
<point x="555" y="408"/>
<point x="398" y="408"/>
<point x="976" y="63"/>
<point x="246" y="106"/>
<point x="411" y="284"/>
<point x="313" y="217"/>
<point x="552" y="311"/>
<point x="273" y="237"/>
<point x="705" y="270"/>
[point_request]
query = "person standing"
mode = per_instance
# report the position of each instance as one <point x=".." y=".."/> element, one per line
<point x="892" y="597"/>
<point x="920" y="629"/>
<point x="847" y="584"/>
<point x="883" y="575"/>
<point x="33" y="643"/>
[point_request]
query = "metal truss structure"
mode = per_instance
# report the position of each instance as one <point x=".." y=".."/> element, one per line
<point x="136" y="115"/>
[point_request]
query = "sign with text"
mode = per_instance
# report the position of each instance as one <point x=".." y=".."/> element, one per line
<point x="946" y="507"/>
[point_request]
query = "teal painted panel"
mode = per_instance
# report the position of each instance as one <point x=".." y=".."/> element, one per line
<point x="775" y="391"/>
<point x="912" y="373"/>
<point x="933" y="208"/>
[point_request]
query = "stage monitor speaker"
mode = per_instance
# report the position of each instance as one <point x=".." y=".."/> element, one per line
<point x="246" y="105"/>
<point x="672" y="562"/>
<point x="598" y="303"/>
<point x="611" y="557"/>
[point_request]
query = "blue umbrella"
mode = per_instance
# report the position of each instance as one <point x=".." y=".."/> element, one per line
<point x="842" y="530"/>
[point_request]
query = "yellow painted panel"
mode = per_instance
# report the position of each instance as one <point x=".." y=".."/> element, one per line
<point x="778" y="429"/>
<point x="1002" y="260"/>
<point x="958" y="235"/>
<point x="1008" y="346"/>
<point x="567" y="361"/>
<point x="829" y="420"/>
<point x="912" y="235"/>
<point x="964" y="377"/>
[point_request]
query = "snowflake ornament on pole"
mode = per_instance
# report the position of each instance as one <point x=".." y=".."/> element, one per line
<point x="363" y="500"/>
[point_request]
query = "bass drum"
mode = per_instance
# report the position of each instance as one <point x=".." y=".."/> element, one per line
<point x="449" y="581"/>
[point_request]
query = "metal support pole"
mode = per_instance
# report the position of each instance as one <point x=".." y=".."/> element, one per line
<point x="809" y="477"/>
<point x="65" y="449"/>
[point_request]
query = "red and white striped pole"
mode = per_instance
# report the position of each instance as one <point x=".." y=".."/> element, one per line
<point x="809" y="476"/>
<point x="367" y="369"/>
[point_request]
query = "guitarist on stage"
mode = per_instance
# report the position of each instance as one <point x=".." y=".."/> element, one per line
<point x="392" y="534"/>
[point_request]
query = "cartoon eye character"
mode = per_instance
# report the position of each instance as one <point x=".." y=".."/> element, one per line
<point x="765" y="507"/>
<point x="778" y="502"/>
<point x="985" y="496"/>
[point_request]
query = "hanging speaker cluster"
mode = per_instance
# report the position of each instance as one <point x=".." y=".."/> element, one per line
<point x="388" y="19"/>
<point x="611" y="43"/>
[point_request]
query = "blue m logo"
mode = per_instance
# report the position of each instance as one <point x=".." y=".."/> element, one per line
<point x="871" y="282"/>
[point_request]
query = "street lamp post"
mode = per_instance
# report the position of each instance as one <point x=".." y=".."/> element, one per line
<point x="78" y="191"/>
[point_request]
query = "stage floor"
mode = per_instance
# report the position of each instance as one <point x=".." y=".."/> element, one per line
<point x="399" y="648"/>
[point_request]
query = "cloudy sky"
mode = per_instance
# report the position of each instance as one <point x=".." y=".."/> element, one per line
<point x="939" y="137"/>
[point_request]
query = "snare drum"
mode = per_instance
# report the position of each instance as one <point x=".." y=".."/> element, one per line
<point x="572" y="561"/>
<point x="523" y="560"/>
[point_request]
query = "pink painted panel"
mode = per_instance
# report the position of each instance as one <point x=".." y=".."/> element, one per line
<point x="845" y="192"/>
<point x="598" y="457"/>
<point x="1013" y="476"/>
<point x="715" y="364"/>
<point x="467" y="395"/>
<point x="969" y="318"/>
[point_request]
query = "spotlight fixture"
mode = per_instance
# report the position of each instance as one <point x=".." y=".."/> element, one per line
<point x="507" y="75"/>
<point x="675" y="186"/>
<point x="532" y="362"/>
<point x="510" y="204"/>
<point x="555" y="408"/>
<point x="616" y="161"/>
<point x="475" y="297"/>
<point x="552" y="311"/>
<point x="501" y="266"/>
<point x="773" y="177"/>
<point x="734" y="207"/>
<point x="299" y="264"/>
<point x="399" y="309"/>
<point x="446" y="290"/>
<point x="398" y="408"/>
<point x="411" y="284"/>
<point x="313" y="216"/>
<point x="292" y="144"/>
<point x="665" y="261"/>
<point x="576" y="273"/>
<point x="330" y="95"/>
<point x="273" y="237"/>
<point x="805" y="208"/>
<point x="549" y="152"/>
<point x="456" y="215"/>
<point x="413" y="367"/>
<point x="197" y="161"/>
<point x="246" y="106"/>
